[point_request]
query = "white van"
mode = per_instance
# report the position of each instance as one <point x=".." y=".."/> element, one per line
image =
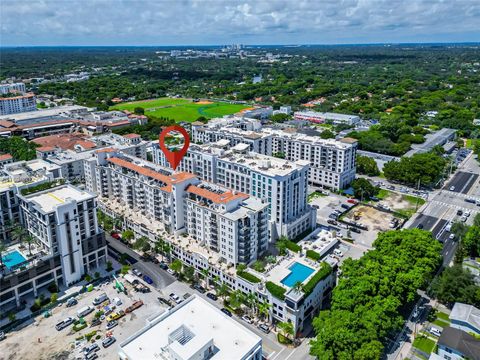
<point x="448" y="227"/>
<point x="100" y="298"/>
<point x="85" y="311"/>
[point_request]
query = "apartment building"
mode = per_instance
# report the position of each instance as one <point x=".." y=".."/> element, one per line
<point x="230" y="223"/>
<point x="67" y="242"/>
<point x="17" y="104"/>
<point x="281" y="183"/>
<point x="15" y="177"/>
<point x="195" y="329"/>
<point x="332" y="162"/>
<point x="322" y="117"/>
<point x="12" y="88"/>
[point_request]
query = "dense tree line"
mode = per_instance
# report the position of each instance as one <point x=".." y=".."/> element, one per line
<point x="367" y="166"/>
<point x="18" y="147"/>
<point x="372" y="293"/>
<point x="425" y="167"/>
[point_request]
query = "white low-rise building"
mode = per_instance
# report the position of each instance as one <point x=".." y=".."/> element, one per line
<point x="322" y="117"/>
<point x="195" y="329"/>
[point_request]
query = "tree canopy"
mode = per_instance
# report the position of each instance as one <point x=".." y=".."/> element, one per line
<point x="371" y="294"/>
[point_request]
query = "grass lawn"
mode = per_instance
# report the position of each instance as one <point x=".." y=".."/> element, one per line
<point x="443" y="316"/>
<point x="441" y="323"/>
<point x="469" y="144"/>
<point x="314" y="195"/>
<point x="182" y="109"/>
<point x="413" y="200"/>
<point x="424" y="344"/>
<point x="382" y="194"/>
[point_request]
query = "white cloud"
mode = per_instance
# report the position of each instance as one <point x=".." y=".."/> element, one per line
<point x="149" y="22"/>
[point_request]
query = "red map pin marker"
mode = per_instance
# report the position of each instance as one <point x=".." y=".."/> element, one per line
<point x="174" y="157"/>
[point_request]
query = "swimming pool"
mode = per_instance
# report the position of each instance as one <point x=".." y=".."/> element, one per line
<point x="12" y="259"/>
<point x="298" y="272"/>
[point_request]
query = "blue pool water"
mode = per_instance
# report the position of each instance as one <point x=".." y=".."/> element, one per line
<point x="299" y="272"/>
<point x="12" y="259"/>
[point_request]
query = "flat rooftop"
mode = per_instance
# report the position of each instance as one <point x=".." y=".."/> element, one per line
<point x="30" y="115"/>
<point x="48" y="200"/>
<point x="202" y="322"/>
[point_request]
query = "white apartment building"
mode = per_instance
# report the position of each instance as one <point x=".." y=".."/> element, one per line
<point x="68" y="242"/>
<point x="281" y="183"/>
<point x="195" y="329"/>
<point x="230" y="223"/>
<point x="14" y="177"/>
<point x="332" y="162"/>
<point x="12" y="88"/>
<point x="17" y="104"/>
<point x="321" y="117"/>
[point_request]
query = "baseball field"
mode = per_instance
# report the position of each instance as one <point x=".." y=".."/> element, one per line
<point x="182" y="109"/>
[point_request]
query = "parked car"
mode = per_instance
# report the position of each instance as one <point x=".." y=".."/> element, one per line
<point x="247" y="319"/>
<point x="199" y="288"/>
<point x="148" y="279"/>
<point x="264" y="327"/>
<point x="163" y="265"/>
<point x="212" y="296"/>
<point x="451" y="237"/>
<point x="91" y="356"/>
<point x="100" y="299"/>
<point x="171" y="272"/>
<point x="226" y="312"/>
<point x="452" y="188"/>
<point x="108" y="341"/>
<point x="95" y="322"/>
<point x="175" y="298"/>
<point x="64" y="323"/>
<point x="470" y="200"/>
<point x="352" y="201"/>
<point x="2" y="335"/>
<point x="72" y="302"/>
<point x="463" y="218"/>
<point x="459" y="212"/>
<point x="345" y="206"/>
<point x="331" y="222"/>
<point x="116" y="235"/>
<point x="85" y="311"/>
<point x="354" y="229"/>
<point x="87" y="350"/>
<point x="117" y="301"/>
<point x="115" y="315"/>
<point x="435" y="331"/>
<point x="137" y="272"/>
<point x="111" y="324"/>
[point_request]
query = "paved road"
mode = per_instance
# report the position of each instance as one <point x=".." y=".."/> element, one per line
<point x="462" y="182"/>
<point x="161" y="278"/>
<point x="428" y="222"/>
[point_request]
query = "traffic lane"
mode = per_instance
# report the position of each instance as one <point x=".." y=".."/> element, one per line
<point x="471" y="181"/>
<point x="448" y="251"/>
<point x="161" y="278"/>
<point x="438" y="228"/>
<point x="426" y="222"/>
<point x="462" y="182"/>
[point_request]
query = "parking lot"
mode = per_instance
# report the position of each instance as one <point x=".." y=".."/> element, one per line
<point x="48" y="343"/>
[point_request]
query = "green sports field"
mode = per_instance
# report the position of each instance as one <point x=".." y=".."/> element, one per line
<point x="181" y="109"/>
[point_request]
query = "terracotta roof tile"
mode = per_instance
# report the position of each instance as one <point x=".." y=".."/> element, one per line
<point x="223" y="198"/>
<point x="4" y="157"/>
<point x="131" y="136"/>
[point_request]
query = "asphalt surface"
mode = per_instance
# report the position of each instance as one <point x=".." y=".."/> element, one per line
<point x="161" y="278"/>
<point x="462" y="181"/>
<point x="438" y="228"/>
<point x="427" y="221"/>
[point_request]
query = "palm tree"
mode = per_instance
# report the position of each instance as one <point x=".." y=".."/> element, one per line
<point x="236" y="299"/>
<point x="264" y="309"/>
<point x="29" y="239"/>
<point x="281" y="246"/>
<point x="167" y="249"/>
<point x="286" y="328"/>
<point x="140" y="243"/>
<point x="205" y="273"/>
<point x="252" y="302"/>
<point x="298" y="286"/>
<point x="222" y="290"/>
<point x="18" y="232"/>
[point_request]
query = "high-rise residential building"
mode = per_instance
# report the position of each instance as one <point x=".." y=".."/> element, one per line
<point x="332" y="162"/>
<point x="17" y="104"/>
<point x="66" y="242"/>
<point x="231" y="223"/>
<point x="281" y="183"/>
<point x="195" y="329"/>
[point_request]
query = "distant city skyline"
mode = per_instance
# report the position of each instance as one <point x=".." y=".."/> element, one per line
<point x="189" y="23"/>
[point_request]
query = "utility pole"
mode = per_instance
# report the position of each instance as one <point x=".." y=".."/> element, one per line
<point x="418" y="189"/>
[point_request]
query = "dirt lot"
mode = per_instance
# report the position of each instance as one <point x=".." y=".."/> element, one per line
<point x="40" y="339"/>
<point x="398" y="201"/>
<point x="374" y="219"/>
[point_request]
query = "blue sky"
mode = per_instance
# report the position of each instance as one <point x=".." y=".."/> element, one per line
<point x="209" y="22"/>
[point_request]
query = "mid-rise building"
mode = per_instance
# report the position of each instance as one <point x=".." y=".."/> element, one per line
<point x="18" y="88"/>
<point x="332" y="162"/>
<point x="322" y="117"/>
<point x="65" y="242"/>
<point x="17" y="104"/>
<point x="281" y="183"/>
<point x="195" y="329"/>
<point x="230" y="223"/>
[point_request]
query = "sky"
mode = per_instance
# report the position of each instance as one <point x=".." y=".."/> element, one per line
<point x="219" y="22"/>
